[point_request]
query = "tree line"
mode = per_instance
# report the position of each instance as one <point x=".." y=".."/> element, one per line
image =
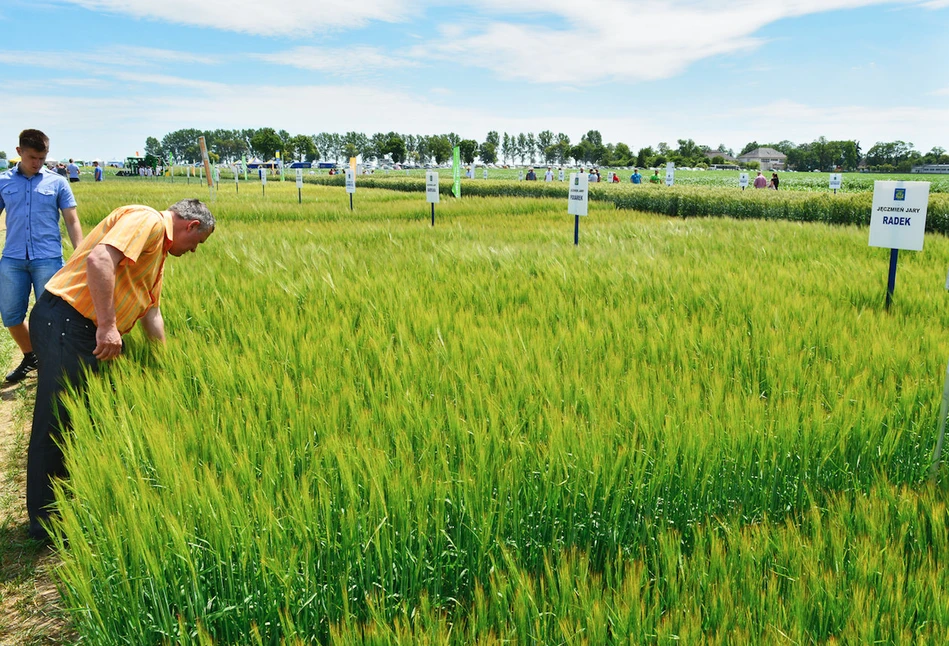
<point x="546" y="147"/>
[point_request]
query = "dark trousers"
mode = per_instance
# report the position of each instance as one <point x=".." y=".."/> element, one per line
<point x="63" y="340"/>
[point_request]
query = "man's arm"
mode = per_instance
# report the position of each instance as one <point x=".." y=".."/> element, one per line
<point x="154" y="324"/>
<point x="100" y="272"/>
<point x="73" y="228"/>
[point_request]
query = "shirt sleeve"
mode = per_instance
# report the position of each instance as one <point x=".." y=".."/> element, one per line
<point x="135" y="232"/>
<point x="66" y="199"/>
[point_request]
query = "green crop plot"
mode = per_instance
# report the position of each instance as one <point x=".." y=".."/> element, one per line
<point x="366" y="430"/>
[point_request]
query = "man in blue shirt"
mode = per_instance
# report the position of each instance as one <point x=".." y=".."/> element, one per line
<point x="73" y="171"/>
<point x="33" y="198"/>
<point x="97" y="170"/>
<point x="636" y="178"/>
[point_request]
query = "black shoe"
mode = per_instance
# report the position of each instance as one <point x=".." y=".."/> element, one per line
<point x="23" y="370"/>
<point x="38" y="533"/>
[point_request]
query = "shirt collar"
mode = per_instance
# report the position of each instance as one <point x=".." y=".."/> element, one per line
<point x="168" y="221"/>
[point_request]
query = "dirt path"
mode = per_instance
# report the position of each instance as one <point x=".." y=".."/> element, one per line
<point x="31" y="611"/>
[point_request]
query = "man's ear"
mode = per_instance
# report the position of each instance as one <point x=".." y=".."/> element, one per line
<point x="193" y="224"/>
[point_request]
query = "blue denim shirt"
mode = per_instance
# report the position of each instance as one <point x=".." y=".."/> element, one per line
<point x="32" y="205"/>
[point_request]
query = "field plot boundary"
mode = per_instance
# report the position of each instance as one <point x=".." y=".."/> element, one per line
<point x="676" y="201"/>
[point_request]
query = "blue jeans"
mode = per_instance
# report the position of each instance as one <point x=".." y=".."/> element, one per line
<point x="16" y="278"/>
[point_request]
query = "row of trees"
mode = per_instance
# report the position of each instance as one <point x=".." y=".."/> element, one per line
<point x="545" y="147"/>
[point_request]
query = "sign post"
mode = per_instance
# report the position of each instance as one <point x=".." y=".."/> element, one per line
<point x="237" y="188"/>
<point x="577" y="201"/>
<point x="898" y="221"/>
<point x="484" y="173"/>
<point x="670" y="173"/>
<point x="743" y="180"/>
<point x="263" y="182"/>
<point x="836" y="179"/>
<point x="300" y="186"/>
<point x="431" y="191"/>
<point x="207" y="165"/>
<point x="351" y="184"/>
<point x="456" y="172"/>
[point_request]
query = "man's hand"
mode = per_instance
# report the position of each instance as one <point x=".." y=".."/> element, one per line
<point x="108" y="343"/>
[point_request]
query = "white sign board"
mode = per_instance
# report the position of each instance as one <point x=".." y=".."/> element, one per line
<point x="836" y="179"/>
<point x="217" y="175"/>
<point x="431" y="187"/>
<point x="898" y="219"/>
<point x="670" y="173"/>
<point x="485" y="173"/>
<point x="578" y="199"/>
<point x="560" y="174"/>
<point x="743" y="180"/>
<point x="299" y="178"/>
<point x="350" y="180"/>
<point x="236" y="173"/>
<point x="263" y="177"/>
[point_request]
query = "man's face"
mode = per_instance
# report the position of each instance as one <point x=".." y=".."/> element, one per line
<point x="31" y="161"/>
<point x="187" y="238"/>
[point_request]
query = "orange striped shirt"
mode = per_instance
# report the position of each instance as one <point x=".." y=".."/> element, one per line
<point x="143" y="235"/>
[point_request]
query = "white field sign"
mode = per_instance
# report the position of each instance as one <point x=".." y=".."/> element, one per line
<point x="670" y="173"/>
<point x="263" y="177"/>
<point x="299" y="178"/>
<point x="898" y="219"/>
<point x="836" y="179"/>
<point x="350" y="181"/>
<point x="485" y="173"/>
<point x="743" y="180"/>
<point x="578" y="199"/>
<point x="431" y="187"/>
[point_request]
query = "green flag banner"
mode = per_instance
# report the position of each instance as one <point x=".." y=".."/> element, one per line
<point x="456" y="173"/>
<point x="244" y="165"/>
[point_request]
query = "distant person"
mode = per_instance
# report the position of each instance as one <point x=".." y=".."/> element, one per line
<point x="112" y="281"/>
<point x="73" y="171"/>
<point x="97" y="171"/>
<point x="531" y="175"/>
<point x="774" y="181"/>
<point x="615" y="178"/>
<point x="636" y="178"/>
<point x="549" y="175"/>
<point x="591" y="177"/>
<point x="654" y="178"/>
<point x="33" y="198"/>
<point x="61" y="170"/>
<point x="469" y="172"/>
<point x="761" y="181"/>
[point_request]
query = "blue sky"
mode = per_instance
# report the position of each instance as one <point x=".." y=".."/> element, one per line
<point x="99" y="76"/>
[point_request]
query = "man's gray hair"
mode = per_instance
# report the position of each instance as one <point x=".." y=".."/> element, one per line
<point x="192" y="209"/>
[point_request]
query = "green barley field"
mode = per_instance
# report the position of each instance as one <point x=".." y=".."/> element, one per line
<point x="368" y="430"/>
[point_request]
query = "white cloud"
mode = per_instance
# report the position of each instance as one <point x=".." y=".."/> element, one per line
<point x="645" y="41"/>
<point x="75" y="125"/>
<point x="339" y="62"/>
<point x="258" y="16"/>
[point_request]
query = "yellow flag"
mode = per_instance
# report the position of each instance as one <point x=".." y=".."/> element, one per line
<point x="352" y="163"/>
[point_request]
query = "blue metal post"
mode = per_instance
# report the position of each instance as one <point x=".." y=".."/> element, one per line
<point x="891" y="281"/>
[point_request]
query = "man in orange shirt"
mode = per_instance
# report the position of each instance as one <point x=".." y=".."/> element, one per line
<point x="111" y="281"/>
